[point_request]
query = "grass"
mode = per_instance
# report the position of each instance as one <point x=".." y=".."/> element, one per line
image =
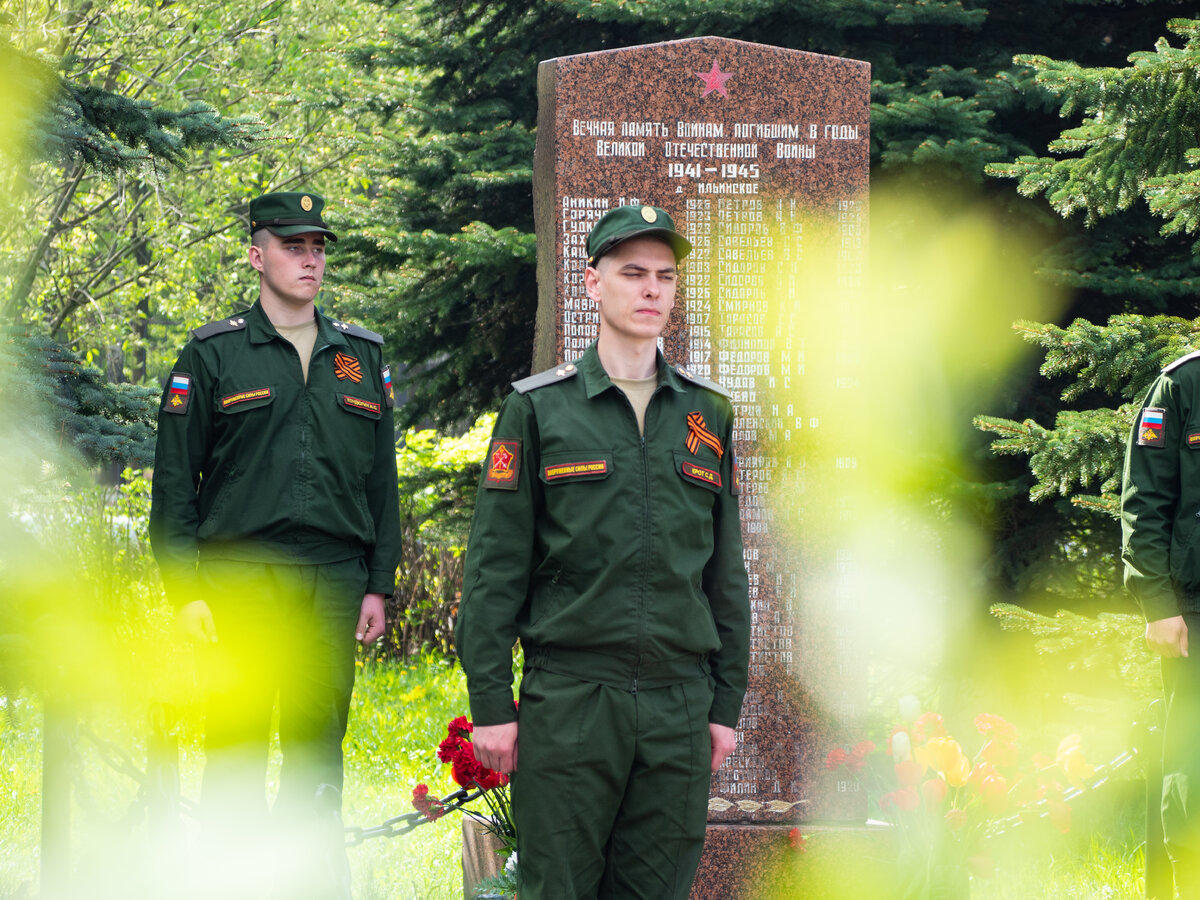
<point x="398" y="716"/>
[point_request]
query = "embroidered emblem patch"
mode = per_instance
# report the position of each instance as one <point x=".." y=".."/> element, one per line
<point x="1193" y="439"/>
<point x="735" y="486"/>
<point x="347" y="368"/>
<point x="700" y="473"/>
<point x="698" y="434"/>
<point x="503" y="465"/>
<point x="575" y="469"/>
<point x="244" y="397"/>
<point x="179" y="397"/>
<point x="1150" y="428"/>
<point x="389" y="392"/>
<point x="359" y="403"/>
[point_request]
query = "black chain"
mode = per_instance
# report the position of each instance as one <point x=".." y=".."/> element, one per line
<point x="121" y="761"/>
<point x="398" y="825"/>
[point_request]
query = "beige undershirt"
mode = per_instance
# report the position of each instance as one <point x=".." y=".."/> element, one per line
<point x="639" y="391"/>
<point x="303" y="338"/>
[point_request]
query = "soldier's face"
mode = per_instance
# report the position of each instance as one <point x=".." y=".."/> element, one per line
<point x="634" y="288"/>
<point x="291" y="267"/>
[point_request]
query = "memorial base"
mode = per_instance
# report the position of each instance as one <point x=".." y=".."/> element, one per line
<point x="479" y="857"/>
<point x="759" y="862"/>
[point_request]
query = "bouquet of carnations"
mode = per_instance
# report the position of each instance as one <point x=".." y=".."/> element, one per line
<point x="481" y="782"/>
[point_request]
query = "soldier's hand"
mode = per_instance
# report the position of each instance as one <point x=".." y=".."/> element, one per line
<point x="724" y="739"/>
<point x="196" y="622"/>
<point x="371" y="619"/>
<point x="1167" y="637"/>
<point x="496" y="746"/>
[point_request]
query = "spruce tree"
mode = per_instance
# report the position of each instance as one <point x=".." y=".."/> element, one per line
<point x="46" y="389"/>
<point x="1131" y="158"/>
<point x="77" y="128"/>
<point x="80" y="127"/>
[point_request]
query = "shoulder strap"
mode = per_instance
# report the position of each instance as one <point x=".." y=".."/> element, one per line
<point x="235" y="322"/>
<point x="356" y="331"/>
<point x="541" y="379"/>
<point x="702" y="382"/>
<point x="1179" y="362"/>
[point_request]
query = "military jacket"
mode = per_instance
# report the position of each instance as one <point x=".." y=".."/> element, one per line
<point x="590" y="538"/>
<point x="252" y="463"/>
<point x="1160" y="497"/>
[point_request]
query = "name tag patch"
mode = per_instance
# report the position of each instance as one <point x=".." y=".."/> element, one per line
<point x="1150" y="431"/>
<point x="702" y="474"/>
<point x="359" y="403"/>
<point x="561" y="471"/>
<point x="244" y="397"/>
<point x="503" y="464"/>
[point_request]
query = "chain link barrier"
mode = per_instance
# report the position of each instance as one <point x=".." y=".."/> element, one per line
<point x="158" y="785"/>
<point x="159" y="788"/>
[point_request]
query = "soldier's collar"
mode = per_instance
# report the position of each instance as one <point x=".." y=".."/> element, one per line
<point x="596" y="380"/>
<point x="258" y="326"/>
<point x="261" y="330"/>
<point x="331" y="332"/>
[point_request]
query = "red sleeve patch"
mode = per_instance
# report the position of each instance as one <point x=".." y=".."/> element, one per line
<point x="503" y="464"/>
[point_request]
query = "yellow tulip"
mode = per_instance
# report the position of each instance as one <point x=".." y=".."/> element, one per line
<point x="944" y="755"/>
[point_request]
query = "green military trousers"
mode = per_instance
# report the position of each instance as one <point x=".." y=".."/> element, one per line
<point x="284" y="632"/>
<point x="610" y="796"/>
<point x="1181" y="764"/>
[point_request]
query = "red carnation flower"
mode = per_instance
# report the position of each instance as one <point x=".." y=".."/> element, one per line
<point x="430" y="808"/>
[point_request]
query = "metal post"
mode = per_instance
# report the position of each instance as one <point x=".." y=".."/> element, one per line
<point x="58" y="725"/>
<point x="1160" y="879"/>
<point x="162" y="774"/>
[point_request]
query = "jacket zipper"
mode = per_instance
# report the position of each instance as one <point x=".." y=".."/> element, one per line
<point x="646" y="548"/>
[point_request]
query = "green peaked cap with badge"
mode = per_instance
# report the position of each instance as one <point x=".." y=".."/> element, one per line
<point x="619" y="225"/>
<point x="286" y="213"/>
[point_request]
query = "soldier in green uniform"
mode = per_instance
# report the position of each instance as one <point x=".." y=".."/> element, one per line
<point x="606" y="538"/>
<point x="1160" y="512"/>
<point x="275" y="522"/>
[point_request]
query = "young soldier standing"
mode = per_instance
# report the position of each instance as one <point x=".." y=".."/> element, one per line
<point x="606" y="538"/>
<point x="275" y="522"/>
<point x="1160" y="512"/>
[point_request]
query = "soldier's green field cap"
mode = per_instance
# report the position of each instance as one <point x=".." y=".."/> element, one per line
<point x="286" y="213"/>
<point x="625" y="222"/>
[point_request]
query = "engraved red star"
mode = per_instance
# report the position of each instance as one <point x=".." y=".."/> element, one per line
<point x="501" y="458"/>
<point x="714" y="80"/>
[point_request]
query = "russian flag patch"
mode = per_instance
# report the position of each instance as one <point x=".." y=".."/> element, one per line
<point x="179" y="394"/>
<point x="1150" y="432"/>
